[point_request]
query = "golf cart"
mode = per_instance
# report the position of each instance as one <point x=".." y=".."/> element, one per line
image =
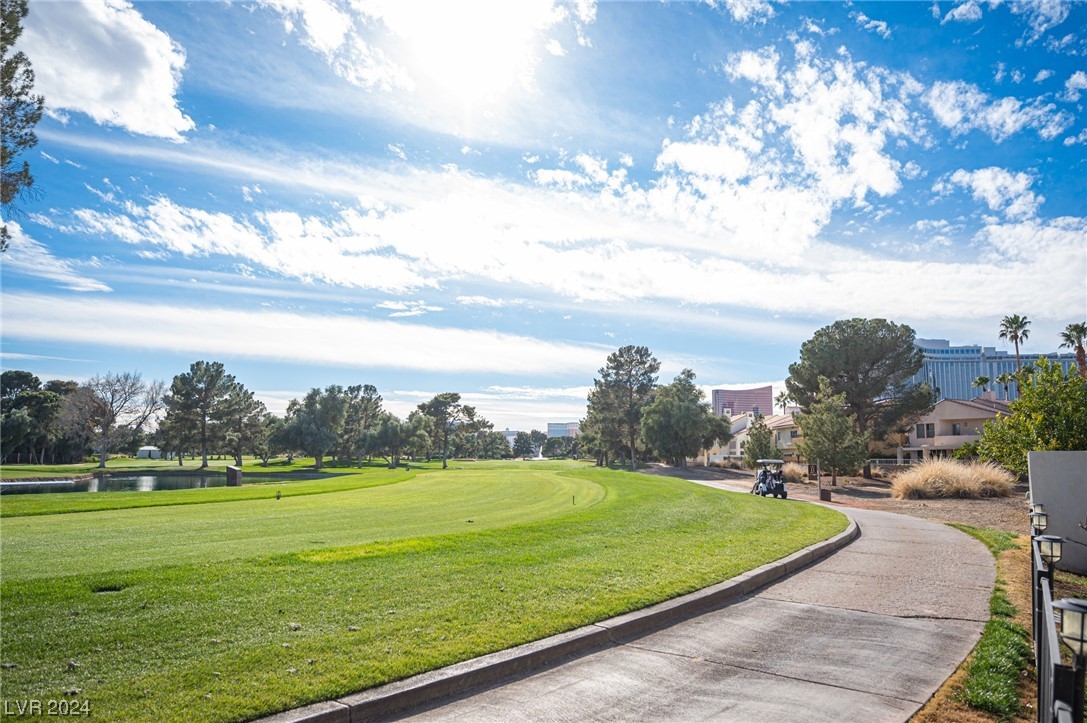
<point x="769" y="480"/>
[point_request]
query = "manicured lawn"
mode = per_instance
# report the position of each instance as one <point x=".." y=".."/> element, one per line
<point x="230" y="610"/>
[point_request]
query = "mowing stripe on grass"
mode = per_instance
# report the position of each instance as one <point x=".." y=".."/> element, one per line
<point x="219" y="639"/>
<point x="429" y="503"/>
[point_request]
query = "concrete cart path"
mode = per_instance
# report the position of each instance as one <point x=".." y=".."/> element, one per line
<point x="869" y="633"/>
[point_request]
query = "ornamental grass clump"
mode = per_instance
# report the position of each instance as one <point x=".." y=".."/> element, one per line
<point x="948" y="478"/>
<point x="794" y="473"/>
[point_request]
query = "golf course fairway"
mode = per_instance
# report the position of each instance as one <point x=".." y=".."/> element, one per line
<point x="229" y="610"/>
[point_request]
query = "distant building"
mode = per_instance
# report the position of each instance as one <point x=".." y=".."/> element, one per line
<point x="951" y="424"/>
<point x="759" y="400"/>
<point x="149" y="453"/>
<point x="563" y="429"/>
<point x="509" y="434"/>
<point x="953" y="369"/>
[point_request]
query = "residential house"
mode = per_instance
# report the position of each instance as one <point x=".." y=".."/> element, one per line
<point x="951" y="424"/>
<point x="784" y="429"/>
<point x="786" y="435"/>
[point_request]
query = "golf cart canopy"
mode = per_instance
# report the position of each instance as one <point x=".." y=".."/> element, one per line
<point x="770" y="461"/>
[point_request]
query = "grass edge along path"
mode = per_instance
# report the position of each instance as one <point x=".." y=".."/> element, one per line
<point x="993" y="680"/>
<point x="226" y="641"/>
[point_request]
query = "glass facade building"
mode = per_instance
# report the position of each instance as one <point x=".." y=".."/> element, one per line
<point x="759" y="400"/>
<point x="953" y="369"/>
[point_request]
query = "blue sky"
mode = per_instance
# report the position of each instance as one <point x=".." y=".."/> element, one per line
<point x="490" y="197"/>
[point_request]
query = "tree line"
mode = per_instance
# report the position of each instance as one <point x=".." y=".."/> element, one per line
<point x="206" y="411"/>
<point x="851" y="383"/>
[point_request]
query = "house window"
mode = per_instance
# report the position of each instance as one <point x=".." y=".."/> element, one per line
<point x="794" y="433"/>
<point x="926" y="431"/>
<point x="956" y="429"/>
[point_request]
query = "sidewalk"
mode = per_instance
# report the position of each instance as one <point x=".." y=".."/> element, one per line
<point x="868" y="633"/>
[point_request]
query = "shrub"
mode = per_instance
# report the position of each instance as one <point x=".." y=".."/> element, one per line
<point x="727" y="464"/>
<point x="794" y="473"/>
<point x="950" y="478"/>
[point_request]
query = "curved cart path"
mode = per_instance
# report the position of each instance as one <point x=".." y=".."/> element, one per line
<point x="869" y="633"/>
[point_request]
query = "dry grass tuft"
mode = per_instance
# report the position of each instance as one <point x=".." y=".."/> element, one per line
<point x="948" y="478"/>
<point x="794" y="473"/>
<point x="728" y="464"/>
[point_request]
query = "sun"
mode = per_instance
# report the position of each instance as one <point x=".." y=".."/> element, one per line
<point x="471" y="53"/>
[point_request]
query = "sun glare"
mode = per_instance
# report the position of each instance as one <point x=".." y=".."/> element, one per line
<point x="471" y="53"/>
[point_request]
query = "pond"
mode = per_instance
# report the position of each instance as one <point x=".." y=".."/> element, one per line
<point x="142" y="482"/>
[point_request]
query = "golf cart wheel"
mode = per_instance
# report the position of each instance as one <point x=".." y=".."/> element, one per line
<point x="784" y="495"/>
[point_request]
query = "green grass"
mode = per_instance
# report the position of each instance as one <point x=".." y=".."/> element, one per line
<point x="992" y="679"/>
<point x="1003" y="652"/>
<point x="71" y="502"/>
<point x="185" y="612"/>
<point x="996" y="540"/>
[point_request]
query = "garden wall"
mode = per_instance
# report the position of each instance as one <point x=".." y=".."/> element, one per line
<point x="1058" y="480"/>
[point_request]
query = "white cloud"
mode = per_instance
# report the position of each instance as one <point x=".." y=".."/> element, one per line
<point x="759" y="67"/>
<point x="407" y="308"/>
<point x="967" y="12"/>
<point x="230" y="333"/>
<point x="28" y="257"/>
<point x="962" y="107"/>
<point x="1041" y="15"/>
<point x="1043" y="75"/>
<point x="102" y="58"/>
<point x="449" y="55"/>
<point x="560" y="178"/>
<point x="747" y="11"/>
<point x="879" y="27"/>
<point x="1001" y="190"/>
<point x="579" y="393"/>
<point x="1076" y="139"/>
<point x="1073" y="86"/>
<point x="701" y="159"/>
<point x="824" y="140"/>
<point x="487" y="301"/>
<point x="324" y="26"/>
<point x="335" y="35"/>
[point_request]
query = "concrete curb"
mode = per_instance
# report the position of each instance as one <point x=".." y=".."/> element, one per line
<point x="385" y="700"/>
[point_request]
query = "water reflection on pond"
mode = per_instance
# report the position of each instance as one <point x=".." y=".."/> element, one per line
<point x="142" y="482"/>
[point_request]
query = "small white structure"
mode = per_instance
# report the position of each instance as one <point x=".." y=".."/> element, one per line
<point x="149" y="453"/>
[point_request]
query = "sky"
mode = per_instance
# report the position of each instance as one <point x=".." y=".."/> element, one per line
<point x="491" y="197"/>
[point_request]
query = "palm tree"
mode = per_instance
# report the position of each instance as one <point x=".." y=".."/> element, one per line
<point x="1005" y="378"/>
<point x="982" y="381"/>
<point x="783" y="399"/>
<point x="1074" y="337"/>
<point x="1014" y="329"/>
